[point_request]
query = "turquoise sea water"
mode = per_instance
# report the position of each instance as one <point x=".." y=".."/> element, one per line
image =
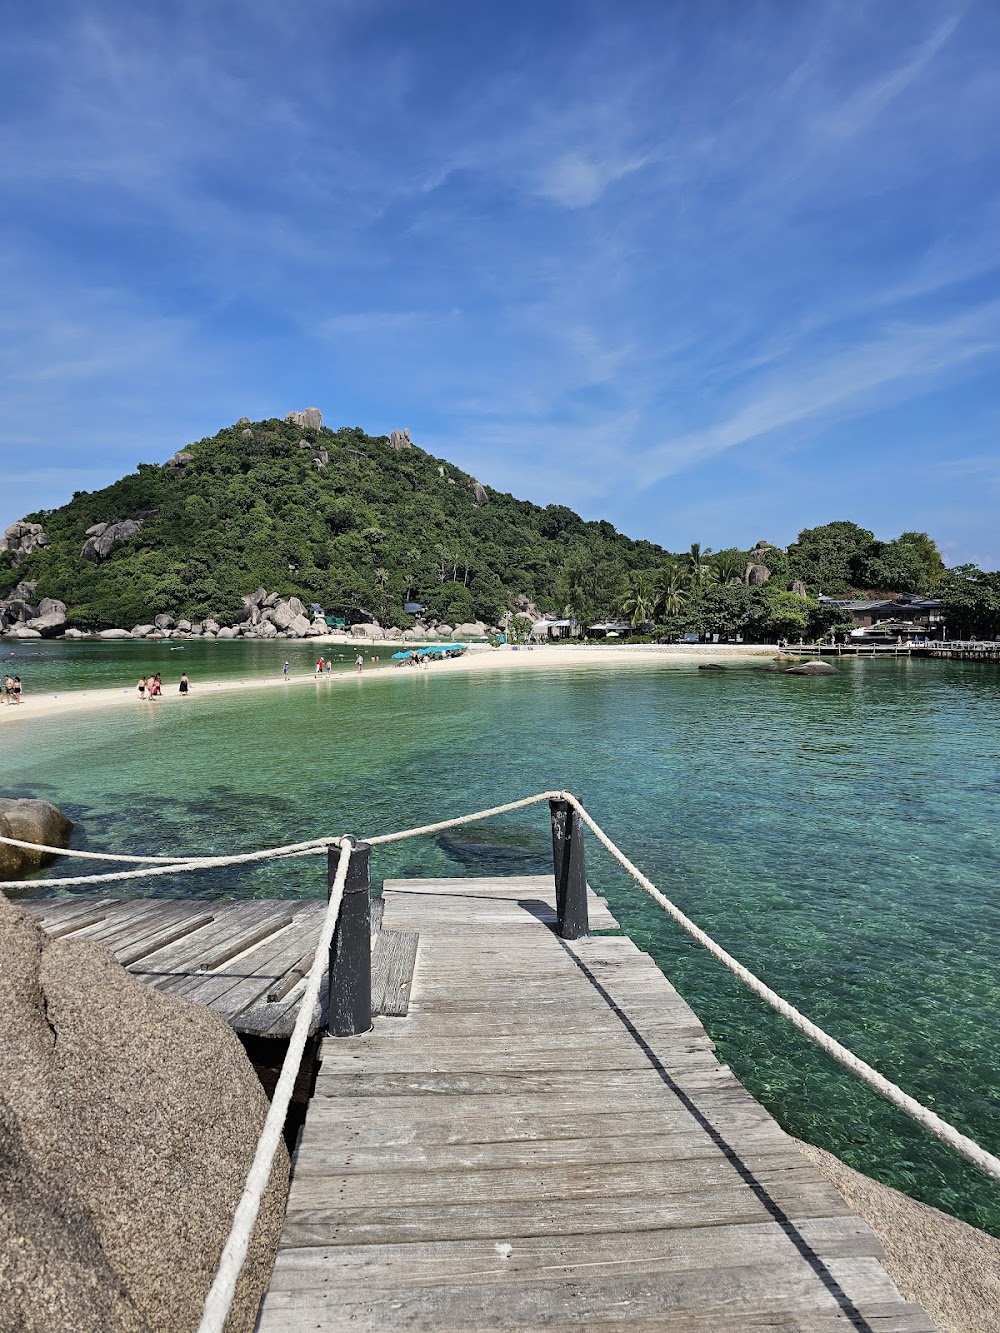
<point x="838" y="834"/>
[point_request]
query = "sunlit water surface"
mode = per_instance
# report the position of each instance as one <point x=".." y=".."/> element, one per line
<point x="837" y="834"/>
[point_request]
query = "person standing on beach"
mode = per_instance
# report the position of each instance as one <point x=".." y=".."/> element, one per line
<point x="284" y="670"/>
<point x="359" y="662"/>
<point x="15" y="690"/>
<point x="155" y="687"/>
<point x="142" y="687"/>
<point x="329" y="666"/>
<point x="183" y="687"/>
<point x="319" y="666"/>
<point x="8" y="687"/>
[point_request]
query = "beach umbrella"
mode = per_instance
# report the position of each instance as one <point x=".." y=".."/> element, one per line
<point x="396" y="656"/>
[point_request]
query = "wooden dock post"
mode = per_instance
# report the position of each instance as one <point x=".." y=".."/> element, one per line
<point x="351" y="949"/>
<point x="570" y="870"/>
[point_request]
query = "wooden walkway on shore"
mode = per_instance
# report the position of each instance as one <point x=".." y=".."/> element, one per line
<point x="245" y="959"/>
<point x="547" y="1140"/>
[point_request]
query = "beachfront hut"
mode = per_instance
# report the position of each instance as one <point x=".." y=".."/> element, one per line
<point x="543" y="631"/>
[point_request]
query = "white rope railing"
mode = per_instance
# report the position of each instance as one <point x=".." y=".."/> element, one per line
<point x="314" y="847"/>
<point x="927" y="1119"/>
<point x="234" y="1252"/>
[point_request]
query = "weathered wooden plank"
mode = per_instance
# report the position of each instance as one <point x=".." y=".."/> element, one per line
<point x="524" y="1258"/>
<point x="338" y="1157"/>
<point x="803" y="1197"/>
<point x="183" y="958"/>
<point x="599" y="1181"/>
<point x="590" y="1056"/>
<point x="393" y="959"/>
<point x="598" y="1086"/>
<point x="59" y="912"/>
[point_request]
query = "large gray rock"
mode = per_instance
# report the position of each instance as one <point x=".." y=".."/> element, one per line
<point x="210" y="626"/>
<point x="812" y="669"/>
<point x="49" y="605"/>
<point x="184" y="626"/>
<point x="132" y="1117"/>
<point x="142" y="631"/>
<point x="49" y="624"/>
<point x="297" y="606"/>
<point x="105" y="536"/>
<point x="265" y="630"/>
<point x="226" y="633"/>
<point x="23" y="539"/>
<point x="30" y="821"/>
<point x="310" y="419"/>
<point x="756" y="574"/>
<point x="474" y="630"/>
<point x="373" y="631"/>
<point x="256" y="598"/>
<point x="400" y="439"/>
<point x="179" y="461"/>
<point x="73" y="633"/>
<point x="300" y="627"/>
<point x="163" y="621"/>
<point x="799" y="588"/>
<point x="114" y="634"/>
<point x="282" y="614"/>
<point x="25" y="632"/>
<point x="479" y="495"/>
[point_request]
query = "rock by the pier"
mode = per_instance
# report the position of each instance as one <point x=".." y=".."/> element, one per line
<point x="30" y="821"/>
<point x="103" y="536"/>
<point x="114" y="634"/>
<point x="815" y="668"/>
<point x="310" y="419"/>
<point x="133" y="1117"/>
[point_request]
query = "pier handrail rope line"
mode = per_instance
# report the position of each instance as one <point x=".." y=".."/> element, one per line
<point x="234" y="1252"/>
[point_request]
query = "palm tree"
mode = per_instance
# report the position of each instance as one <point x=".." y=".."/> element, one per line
<point x="381" y="577"/>
<point x="729" y="566"/>
<point x="671" y="591"/>
<point x="639" y="602"/>
<point x="695" y="561"/>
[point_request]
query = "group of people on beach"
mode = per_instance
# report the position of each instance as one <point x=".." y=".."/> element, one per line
<point x="12" y="689"/>
<point x="151" y="687"/>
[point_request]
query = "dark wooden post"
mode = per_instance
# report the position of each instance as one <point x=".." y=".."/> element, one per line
<point x="351" y="948"/>
<point x="570" y="871"/>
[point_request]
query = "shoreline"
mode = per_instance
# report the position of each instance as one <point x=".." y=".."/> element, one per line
<point x="477" y="659"/>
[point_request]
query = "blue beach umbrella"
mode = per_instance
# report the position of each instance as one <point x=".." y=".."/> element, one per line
<point x="397" y="656"/>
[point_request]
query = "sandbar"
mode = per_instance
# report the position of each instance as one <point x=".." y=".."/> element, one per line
<point x="53" y="704"/>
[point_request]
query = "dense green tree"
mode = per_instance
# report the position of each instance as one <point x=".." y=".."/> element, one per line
<point x="829" y="559"/>
<point x="971" y="602"/>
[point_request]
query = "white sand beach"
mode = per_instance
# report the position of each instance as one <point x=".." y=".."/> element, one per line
<point x="479" y="659"/>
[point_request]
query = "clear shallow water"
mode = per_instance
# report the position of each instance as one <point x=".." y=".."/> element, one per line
<point x="839" y="835"/>
<point x="50" y="667"/>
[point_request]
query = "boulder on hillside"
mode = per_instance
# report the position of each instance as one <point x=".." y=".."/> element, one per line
<point x="756" y="575"/>
<point x="474" y="630"/>
<point x="23" y="539"/>
<point x="163" y="621"/>
<point x="265" y="630"/>
<point x="49" y="605"/>
<point x="114" y="634"/>
<point x="153" y="1179"/>
<point x="49" y="624"/>
<point x="310" y="419"/>
<point x="297" y="607"/>
<point x="178" y="461"/>
<point x="184" y="626"/>
<point x="799" y="588"/>
<point x="400" y="439"/>
<point x="210" y="626"/>
<point x="479" y="495"/>
<point x="256" y="598"/>
<point x="366" y="631"/>
<point x="30" y="821"/>
<point x="104" y="536"/>
<point x="299" y="627"/>
<point x="281" y="615"/>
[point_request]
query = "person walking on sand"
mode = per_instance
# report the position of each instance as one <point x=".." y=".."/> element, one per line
<point x="15" y="691"/>
<point x="284" y="670"/>
<point x="359" y="662"/>
<point x="155" y="687"/>
<point x="142" y="687"/>
<point x="319" y="666"/>
<point x="185" y="683"/>
<point x="8" y="687"/>
<point x="329" y="666"/>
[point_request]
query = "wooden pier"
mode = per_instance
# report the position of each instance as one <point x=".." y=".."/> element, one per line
<point x="546" y="1139"/>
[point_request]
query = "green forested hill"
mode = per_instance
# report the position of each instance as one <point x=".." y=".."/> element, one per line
<point x="368" y="528"/>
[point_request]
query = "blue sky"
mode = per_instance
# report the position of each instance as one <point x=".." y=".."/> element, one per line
<point x="715" y="269"/>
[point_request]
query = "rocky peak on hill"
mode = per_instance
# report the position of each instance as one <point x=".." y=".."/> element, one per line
<point x="310" y="419"/>
<point x="23" y="539"/>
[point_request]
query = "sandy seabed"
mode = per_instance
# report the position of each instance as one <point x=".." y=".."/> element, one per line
<point x="477" y="659"/>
